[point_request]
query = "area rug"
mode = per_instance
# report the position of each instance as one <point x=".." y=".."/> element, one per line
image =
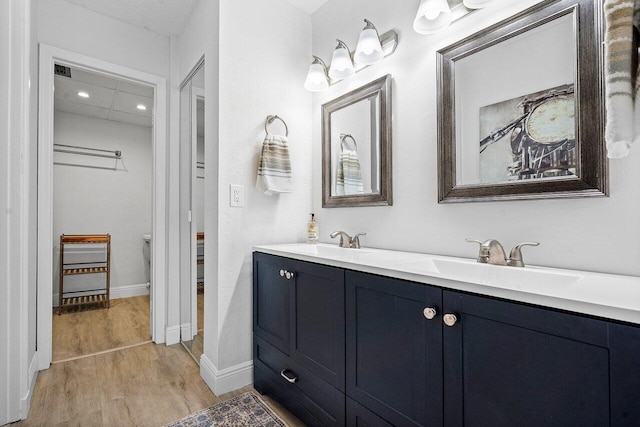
<point x="246" y="409"/>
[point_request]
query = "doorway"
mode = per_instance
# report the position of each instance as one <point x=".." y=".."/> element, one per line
<point x="51" y="57"/>
<point x="102" y="184"/>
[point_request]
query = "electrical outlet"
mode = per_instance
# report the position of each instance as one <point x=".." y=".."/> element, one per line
<point x="236" y="195"/>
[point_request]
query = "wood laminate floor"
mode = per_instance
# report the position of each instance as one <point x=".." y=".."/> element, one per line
<point x="87" y="332"/>
<point x="146" y="385"/>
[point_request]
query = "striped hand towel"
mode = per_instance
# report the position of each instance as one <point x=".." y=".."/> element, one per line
<point x="623" y="115"/>
<point x="274" y="168"/>
<point x="348" y="175"/>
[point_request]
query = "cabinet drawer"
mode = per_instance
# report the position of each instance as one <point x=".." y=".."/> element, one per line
<point x="324" y="402"/>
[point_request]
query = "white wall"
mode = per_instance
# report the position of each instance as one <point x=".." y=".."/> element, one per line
<point x="18" y="95"/>
<point x="264" y="58"/>
<point x="588" y="234"/>
<point x="94" y="195"/>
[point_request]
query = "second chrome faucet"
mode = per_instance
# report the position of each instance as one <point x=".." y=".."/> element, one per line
<point x="347" y="241"/>
<point x="492" y="252"/>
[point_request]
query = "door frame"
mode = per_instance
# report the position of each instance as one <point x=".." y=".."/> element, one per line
<point x="49" y="56"/>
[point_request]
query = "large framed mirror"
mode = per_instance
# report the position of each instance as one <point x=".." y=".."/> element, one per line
<point x="356" y="147"/>
<point x="521" y="111"/>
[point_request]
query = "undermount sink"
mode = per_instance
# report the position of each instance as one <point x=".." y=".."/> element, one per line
<point x="327" y="251"/>
<point x="507" y="277"/>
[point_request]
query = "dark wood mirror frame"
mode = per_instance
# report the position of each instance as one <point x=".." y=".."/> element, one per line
<point x="384" y="197"/>
<point x="592" y="166"/>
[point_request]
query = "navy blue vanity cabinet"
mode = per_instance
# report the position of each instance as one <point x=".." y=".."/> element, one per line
<point x="394" y="348"/>
<point x="509" y="364"/>
<point x="271" y="293"/>
<point x="299" y="347"/>
<point x="359" y="416"/>
<point x="318" y="320"/>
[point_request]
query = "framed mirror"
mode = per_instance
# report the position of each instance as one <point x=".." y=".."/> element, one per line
<point x="520" y="108"/>
<point x="356" y="147"/>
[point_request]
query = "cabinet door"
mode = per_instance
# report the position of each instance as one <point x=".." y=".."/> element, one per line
<point x="509" y="364"/>
<point x="271" y="318"/>
<point x="394" y="353"/>
<point x="317" y="322"/>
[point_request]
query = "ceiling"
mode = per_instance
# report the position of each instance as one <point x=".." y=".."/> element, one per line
<point x="307" y="5"/>
<point x="165" y="17"/>
<point x="109" y="98"/>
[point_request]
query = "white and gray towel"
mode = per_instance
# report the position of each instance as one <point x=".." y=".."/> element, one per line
<point x="623" y="111"/>
<point x="348" y="174"/>
<point x="274" y="167"/>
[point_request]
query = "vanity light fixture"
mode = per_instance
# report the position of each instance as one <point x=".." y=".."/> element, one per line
<point x="436" y="15"/>
<point x="341" y="62"/>
<point x="141" y="107"/>
<point x="83" y="94"/>
<point x="317" y="79"/>
<point x="369" y="49"/>
<point x="432" y="16"/>
<point x="476" y="4"/>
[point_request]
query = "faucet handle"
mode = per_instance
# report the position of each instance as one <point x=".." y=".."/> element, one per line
<point x="483" y="254"/>
<point x="355" y="240"/>
<point x="515" y="257"/>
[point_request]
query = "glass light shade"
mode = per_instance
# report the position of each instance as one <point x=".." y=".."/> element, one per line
<point x="369" y="50"/>
<point x="475" y="4"/>
<point x="432" y="16"/>
<point x="341" y="63"/>
<point x="316" y="78"/>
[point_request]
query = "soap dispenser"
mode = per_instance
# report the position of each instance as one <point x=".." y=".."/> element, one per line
<point x="312" y="230"/>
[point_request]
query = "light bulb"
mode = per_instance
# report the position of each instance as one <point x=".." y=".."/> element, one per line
<point x="431" y="14"/>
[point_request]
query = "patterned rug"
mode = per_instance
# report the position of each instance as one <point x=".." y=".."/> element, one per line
<point x="246" y="409"/>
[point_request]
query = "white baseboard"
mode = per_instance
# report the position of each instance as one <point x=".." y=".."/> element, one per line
<point x="186" y="334"/>
<point x="225" y="380"/>
<point x="172" y="335"/>
<point x="25" y="402"/>
<point x="118" y="292"/>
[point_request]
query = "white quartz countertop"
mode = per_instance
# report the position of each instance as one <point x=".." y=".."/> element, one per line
<point x="604" y="295"/>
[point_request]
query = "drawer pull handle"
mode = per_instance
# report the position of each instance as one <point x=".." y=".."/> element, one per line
<point x="429" y="313"/>
<point x="281" y="273"/>
<point x="292" y="380"/>
<point x="449" y="319"/>
<point x="288" y="274"/>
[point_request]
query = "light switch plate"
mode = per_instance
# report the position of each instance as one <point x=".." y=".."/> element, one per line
<point x="236" y="195"/>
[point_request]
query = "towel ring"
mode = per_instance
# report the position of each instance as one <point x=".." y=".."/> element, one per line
<point x="270" y="119"/>
<point x="344" y="136"/>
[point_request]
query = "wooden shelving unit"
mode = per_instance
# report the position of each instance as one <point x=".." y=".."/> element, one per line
<point x="98" y="297"/>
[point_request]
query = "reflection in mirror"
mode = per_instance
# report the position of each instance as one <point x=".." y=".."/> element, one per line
<point x="520" y="111"/>
<point x="357" y="147"/>
<point x="192" y="107"/>
<point x="519" y="125"/>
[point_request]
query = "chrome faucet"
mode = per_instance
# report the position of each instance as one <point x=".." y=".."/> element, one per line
<point x="347" y="241"/>
<point x="492" y="252"/>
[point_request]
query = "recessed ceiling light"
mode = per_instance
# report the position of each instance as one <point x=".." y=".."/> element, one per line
<point x="141" y="107"/>
<point x="83" y="94"/>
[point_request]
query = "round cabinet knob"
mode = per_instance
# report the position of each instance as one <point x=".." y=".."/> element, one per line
<point x="288" y="275"/>
<point x="449" y="319"/>
<point x="429" y="312"/>
<point x="281" y="273"/>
